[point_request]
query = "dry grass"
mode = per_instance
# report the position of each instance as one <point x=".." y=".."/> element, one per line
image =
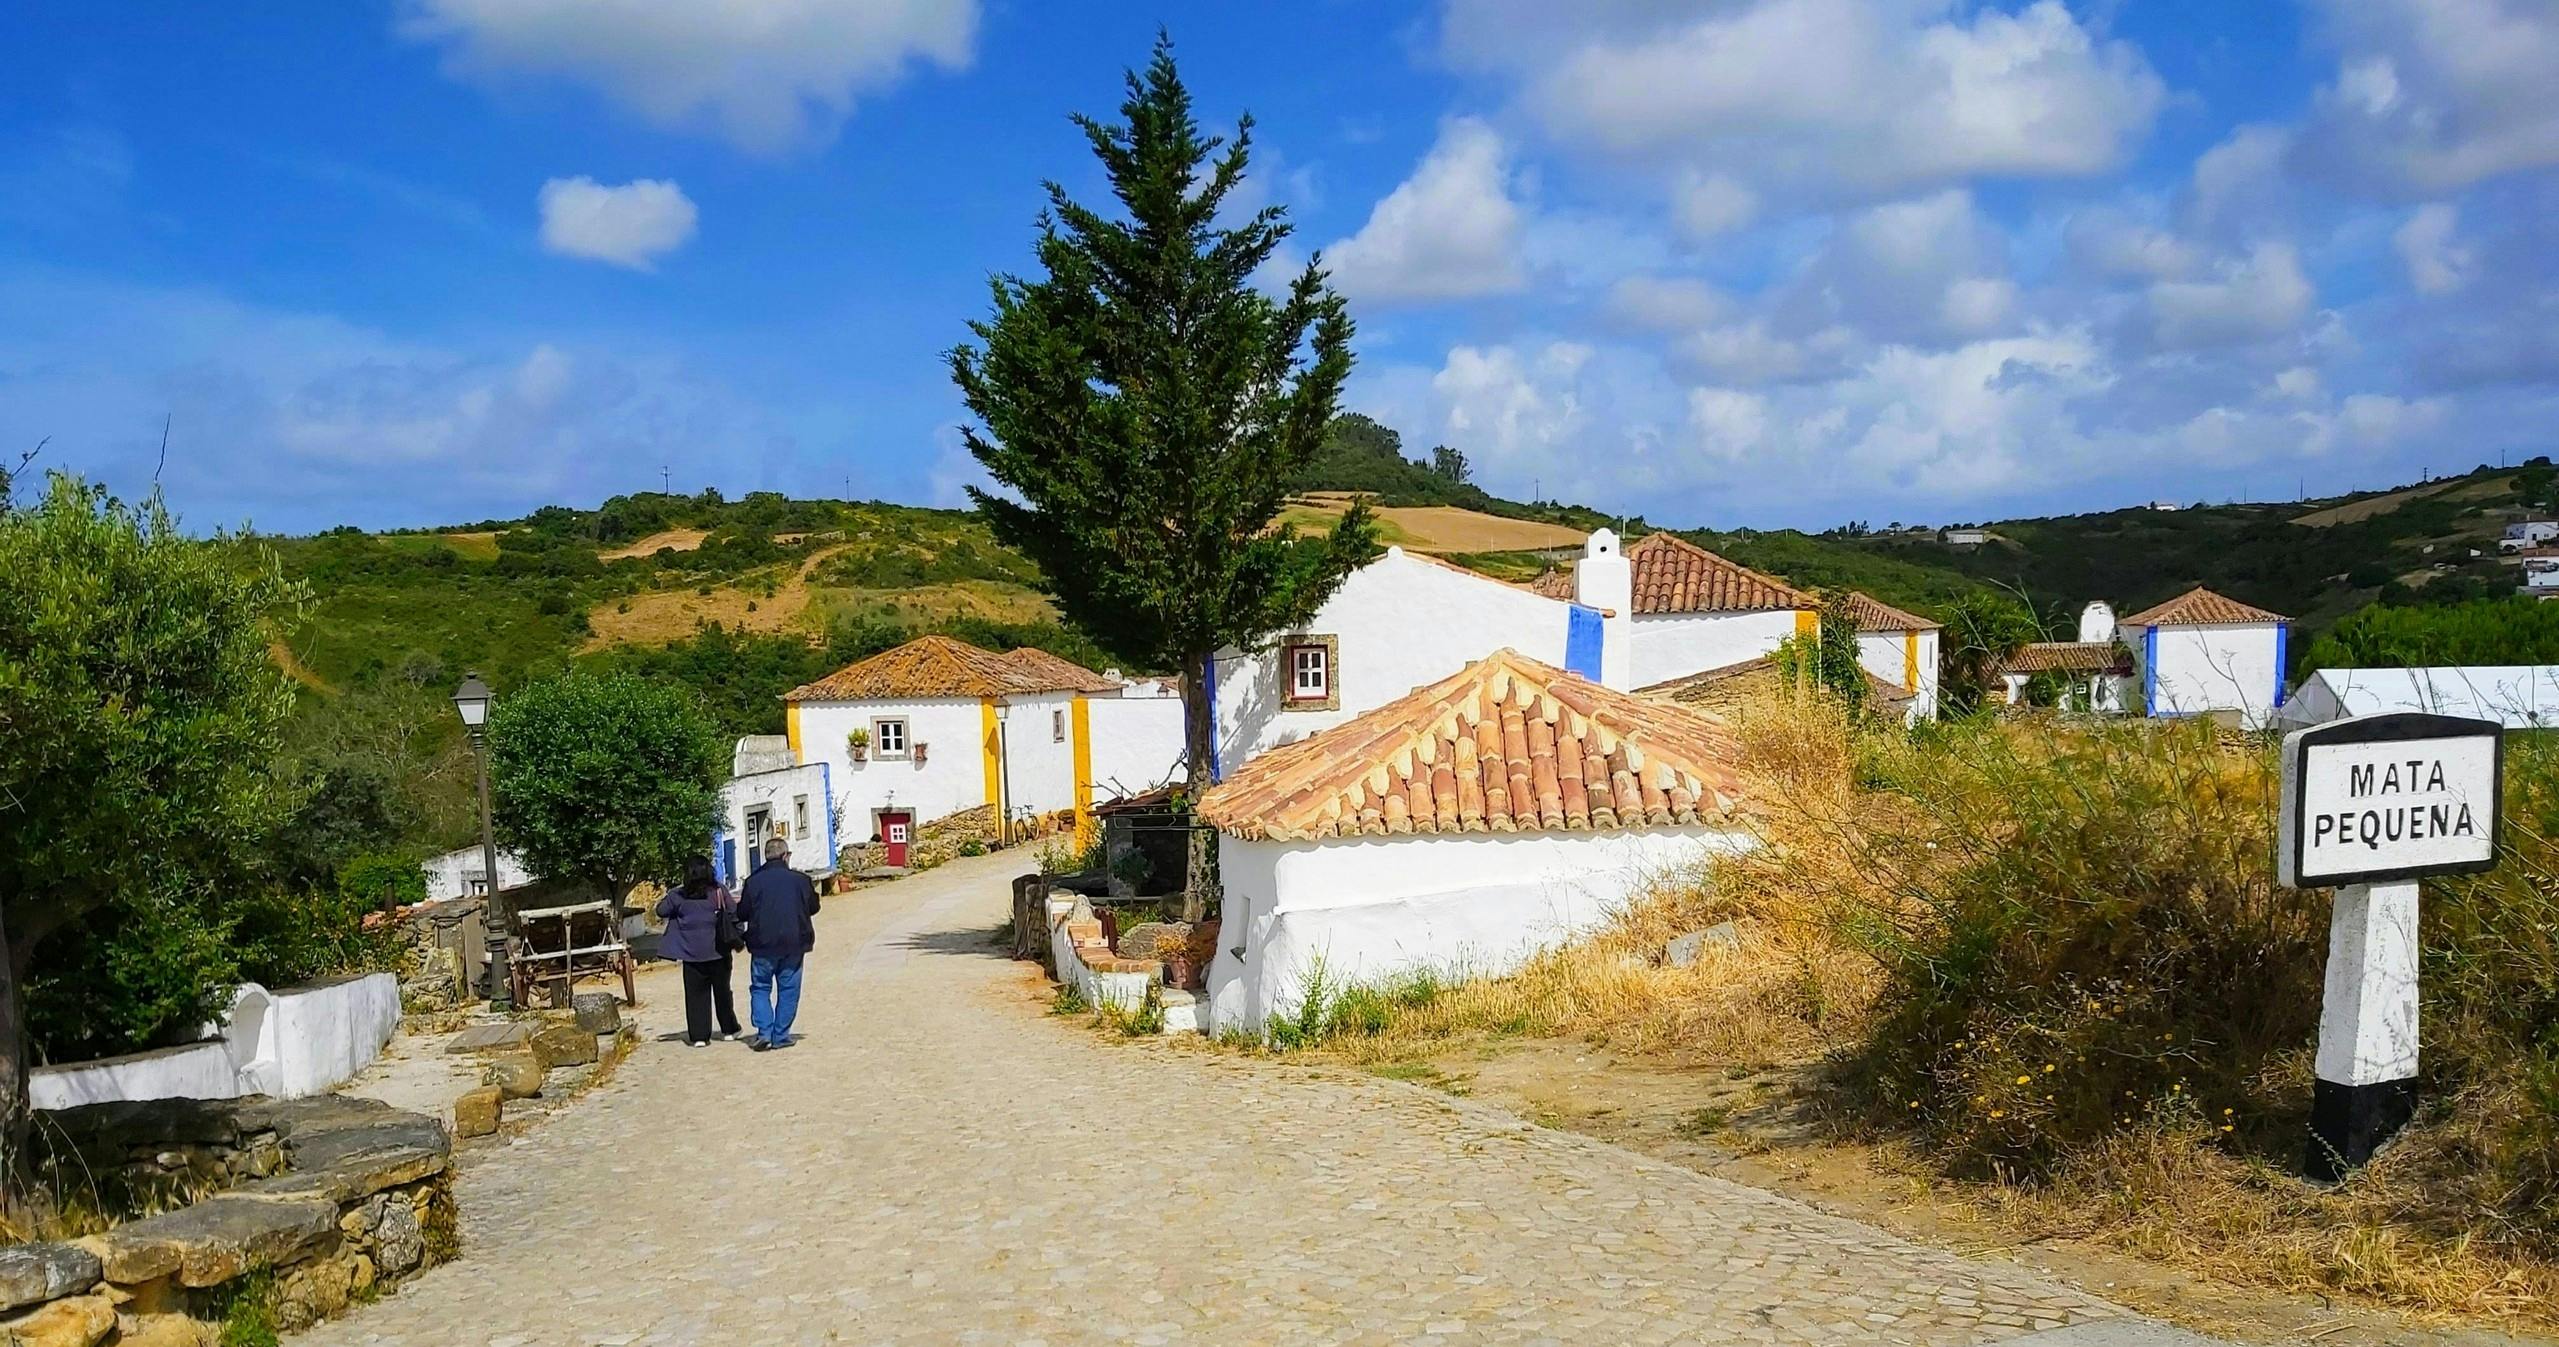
<point x="1434" y="528"/>
<point x="679" y="540"/>
<point x="481" y="546"/>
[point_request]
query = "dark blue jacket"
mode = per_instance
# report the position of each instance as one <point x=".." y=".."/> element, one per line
<point x="776" y="904"/>
<point x="692" y="926"/>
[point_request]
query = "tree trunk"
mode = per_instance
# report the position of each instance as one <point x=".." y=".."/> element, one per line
<point x="17" y="1167"/>
<point x="1199" y="730"/>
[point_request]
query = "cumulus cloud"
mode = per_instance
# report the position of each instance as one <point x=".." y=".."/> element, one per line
<point x="1664" y="303"/>
<point x="1708" y="204"/>
<point x="632" y="225"/>
<point x="1451" y="231"/>
<point x="2260" y="295"/>
<point x="2436" y="264"/>
<point x="2434" y="95"/>
<point x="766" y="74"/>
<point x="1867" y="96"/>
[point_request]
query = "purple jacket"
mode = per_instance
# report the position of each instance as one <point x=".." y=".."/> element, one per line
<point x="692" y="925"/>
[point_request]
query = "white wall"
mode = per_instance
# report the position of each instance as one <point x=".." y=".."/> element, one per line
<point x="1039" y="751"/>
<point x="813" y="850"/>
<point x="448" y="875"/>
<point x="1886" y="655"/>
<point x="1674" y="645"/>
<point x="1400" y="622"/>
<point x="951" y="778"/>
<point x="1137" y="740"/>
<point x="2199" y="669"/>
<point x="291" y="1043"/>
<point x="1473" y="905"/>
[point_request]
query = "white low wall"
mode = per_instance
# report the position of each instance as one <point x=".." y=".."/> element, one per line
<point x="1125" y="991"/>
<point x="301" y="1041"/>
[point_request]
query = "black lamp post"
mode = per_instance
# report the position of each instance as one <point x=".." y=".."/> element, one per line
<point x="472" y="701"/>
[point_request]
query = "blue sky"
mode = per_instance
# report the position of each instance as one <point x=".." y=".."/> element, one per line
<point x="1736" y="262"/>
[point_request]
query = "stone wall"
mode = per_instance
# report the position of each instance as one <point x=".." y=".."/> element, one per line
<point x="933" y="844"/>
<point x="313" y="1204"/>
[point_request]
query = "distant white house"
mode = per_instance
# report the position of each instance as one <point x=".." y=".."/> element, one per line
<point x="1964" y="537"/>
<point x="1899" y="648"/>
<point x="2541" y="574"/>
<point x="1460" y="828"/>
<point x="771" y="794"/>
<point x="2529" y="533"/>
<point x="1402" y="620"/>
<point x="2202" y="653"/>
<point x="945" y="726"/>
<point x="460" y="873"/>
<point x="2097" y="670"/>
<point x="2517" y="696"/>
<point x="1684" y="609"/>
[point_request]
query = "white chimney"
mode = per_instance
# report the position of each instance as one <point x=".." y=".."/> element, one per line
<point x="2097" y="622"/>
<point x="1605" y="580"/>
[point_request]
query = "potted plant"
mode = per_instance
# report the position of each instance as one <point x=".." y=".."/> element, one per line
<point x="859" y="744"/>
<point x="917" y="752"/>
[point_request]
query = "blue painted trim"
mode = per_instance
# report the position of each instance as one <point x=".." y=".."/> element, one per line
<point x="2150" y="671"/>
<point x="826" y="791"/>
<point x="2283" y="638"/>
<point x="724" y="856"/>
<point x="1208" y="686"/>
<point x="1585" y="636"/>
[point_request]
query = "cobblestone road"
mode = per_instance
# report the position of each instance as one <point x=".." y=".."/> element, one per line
<point x="937" y="1164"/>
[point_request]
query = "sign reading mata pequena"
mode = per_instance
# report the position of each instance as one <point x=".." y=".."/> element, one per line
<point x="2379" y="798"/>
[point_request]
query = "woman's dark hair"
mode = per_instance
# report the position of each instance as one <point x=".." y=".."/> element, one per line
<point x="699" y="877"/>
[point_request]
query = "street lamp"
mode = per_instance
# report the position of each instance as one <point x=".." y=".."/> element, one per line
<point x="471" y="701"/>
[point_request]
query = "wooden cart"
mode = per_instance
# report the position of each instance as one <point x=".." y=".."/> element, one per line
<point x="563" y="944"/>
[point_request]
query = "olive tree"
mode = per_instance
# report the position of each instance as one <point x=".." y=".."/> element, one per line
<point x="603" y="778"/>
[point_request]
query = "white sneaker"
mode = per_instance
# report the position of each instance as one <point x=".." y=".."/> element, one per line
<point x="697" y="1043"/>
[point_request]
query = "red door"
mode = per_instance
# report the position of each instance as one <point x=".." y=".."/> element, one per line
<point x="893" y="830"/>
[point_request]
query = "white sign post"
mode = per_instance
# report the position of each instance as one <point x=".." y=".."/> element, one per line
<point x="2370" y="805"/>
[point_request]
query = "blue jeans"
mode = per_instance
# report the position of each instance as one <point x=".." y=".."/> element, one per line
<point x="773" y="996"/>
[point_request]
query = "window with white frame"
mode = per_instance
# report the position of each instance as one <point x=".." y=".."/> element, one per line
<point x="1309" y="673"/>
<point x="888" y="737"/>
<point x="1057" y="727"/>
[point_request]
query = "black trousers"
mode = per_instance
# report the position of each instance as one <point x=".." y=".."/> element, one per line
<point x="706" y="989"/>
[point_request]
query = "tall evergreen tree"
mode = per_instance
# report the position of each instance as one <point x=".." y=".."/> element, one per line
<point x="1149" y="406"/>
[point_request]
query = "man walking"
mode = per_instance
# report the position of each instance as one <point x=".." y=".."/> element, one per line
<point x="776" y="906"/>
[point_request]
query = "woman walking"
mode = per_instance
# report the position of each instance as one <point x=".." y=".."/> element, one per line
<point x="694" y="929"/>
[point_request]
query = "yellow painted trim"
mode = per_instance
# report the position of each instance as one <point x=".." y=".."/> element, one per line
<point x="992" y="749"/>
<point x="1807" y="622"/>
<point x="791" y="727"/>
<point x="1910" y="660"/>
<point x="1080" y="723"/>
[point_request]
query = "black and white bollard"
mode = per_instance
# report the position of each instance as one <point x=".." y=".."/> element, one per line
<point x="2370" y="804"/>
<point x="2367" y="1062"/>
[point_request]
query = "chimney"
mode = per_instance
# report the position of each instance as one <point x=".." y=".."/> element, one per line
<point x="1605" y="580"/>
<point x="2097" y="622"/>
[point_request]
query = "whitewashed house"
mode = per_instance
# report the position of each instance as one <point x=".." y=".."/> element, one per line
<point x="770" y="793"/>
<point x="1899" y="649"/>
<point x="1402" y="620"/>
<point x="2517" y="696"/>
<point x="2529" y="533"/>
<point x="945" y="727"/>
<point x="462" y="873"/>
<point x="1687" y="610"/>
<point x="1460" y="828"/>
<point x="2202" y="653"/>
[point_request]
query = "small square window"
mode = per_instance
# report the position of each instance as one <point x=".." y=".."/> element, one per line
<point x="800" y="815"/>
<point x="1308" y="674"/>
<point x="889" y="737"/>
<point x="1057" y="727"/>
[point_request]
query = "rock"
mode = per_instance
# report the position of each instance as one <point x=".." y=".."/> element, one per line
<point x="562" y="1045"/>
<point x="598" y="1012"/>
<point x="516" y="1075"/>
<point x="399" y="1242"/>
<point x="164" y="1330"/>
<point x="1683" y="951"/>
<point x="489" y="1038"/>
<point x="31" y="1273"/>
<point x="391" y="1131"/>
<point x="356" y="1176"/>
<point x="313" y="1291"/>
<point x="78" y="1321"/>
<point x="217" y="1239"/>
<point x="362" y="1275"/>
<point x="476" y="1113"/>
<point x="1151" y="939"/>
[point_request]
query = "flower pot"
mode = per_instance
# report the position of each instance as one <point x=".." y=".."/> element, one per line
<point x="861" y="755"/>
<point x="1182" y="971"/>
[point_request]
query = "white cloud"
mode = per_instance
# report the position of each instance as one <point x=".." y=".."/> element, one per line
<point x="1866" y="95"/>
<point x="2434" y="95"/>
<point x="2261" y="295"/>
<point x="2436" y="265"/>
<point x="629" y="226"/>
<point x="1516" y="406"/>
<point x="1705" y="205"/>
<point x="1664" y="303"/>
<point x="1978" y="305"/>
<point x="1451" y="231"/>
<point x="2299" y="383"/>
<point x="2115" y="244"/>
<point x="766" y="74"/>
<point x="2241" y="185"/>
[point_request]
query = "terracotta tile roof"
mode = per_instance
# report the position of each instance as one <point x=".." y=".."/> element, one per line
<point x="1673" y="575"/>
<point x="2199" y="607"/>
<point x="1506" y="744"/>
<point x="1873" y="614"/>
<point x="2087" y="657"/>
<point x="1729" y="686"/>
<point x="1555" y="582"/>
<point x="938" y="666"/>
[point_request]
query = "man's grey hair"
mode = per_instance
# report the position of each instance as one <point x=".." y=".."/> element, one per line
<point x="776" y="849"/>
